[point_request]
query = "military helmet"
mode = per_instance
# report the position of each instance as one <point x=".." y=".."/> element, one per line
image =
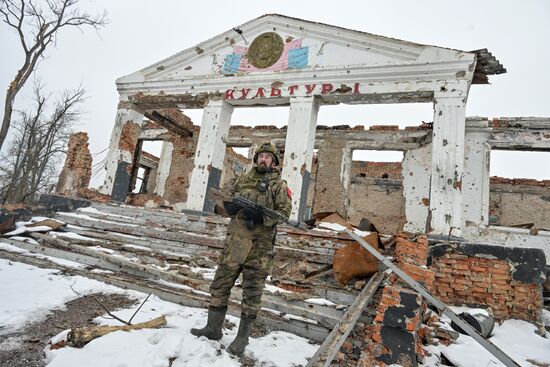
<point x="269" y="148"/>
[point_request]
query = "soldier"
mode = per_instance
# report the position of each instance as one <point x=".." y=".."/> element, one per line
<point x="248" y="247"/>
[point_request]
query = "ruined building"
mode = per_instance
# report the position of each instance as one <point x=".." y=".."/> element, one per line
<point x="441" y="187"/>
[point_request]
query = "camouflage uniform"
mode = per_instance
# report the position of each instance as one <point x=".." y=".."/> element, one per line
<point x="250" y="250"/>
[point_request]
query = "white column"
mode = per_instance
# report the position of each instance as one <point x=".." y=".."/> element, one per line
<point x="210" y="154"/>
<point x="300" y="139"/>
<point x="475" y="183"/>
<point x="124" y="138"/>
<point x="447" y="164"/>
<point x="163" y="171"/>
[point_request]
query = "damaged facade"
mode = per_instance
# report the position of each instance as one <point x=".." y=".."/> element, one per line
<point x="441" y="188"/>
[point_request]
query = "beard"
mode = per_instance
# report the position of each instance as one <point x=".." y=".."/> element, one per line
<point x="261" y="168"/>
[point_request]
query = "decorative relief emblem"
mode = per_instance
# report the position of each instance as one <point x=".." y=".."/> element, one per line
<point x="265" y="50"/>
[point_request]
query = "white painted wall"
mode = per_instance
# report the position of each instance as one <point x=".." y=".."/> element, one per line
<point x="210" y="151"/>
<point x="300" y="138"/>
<point x="476" y="178"/>
<point x="163" y="170"/>
<point x="416" y="187"/>
<point x="115" y="154"/>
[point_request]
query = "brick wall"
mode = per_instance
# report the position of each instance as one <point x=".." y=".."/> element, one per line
<point x="504" y="279"/>
<point x="77" y="171"/>
<point x="234" y="165"/>
<point x="177" y="183"/>
<point x="391" y="170"/>
<point x="489" y="282"/>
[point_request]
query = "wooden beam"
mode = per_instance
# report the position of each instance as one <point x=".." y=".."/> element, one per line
<point x="325" y="354"/>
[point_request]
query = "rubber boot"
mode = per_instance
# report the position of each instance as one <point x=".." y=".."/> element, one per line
<point x="241" y="340"/>
<point x="213" y="328"/>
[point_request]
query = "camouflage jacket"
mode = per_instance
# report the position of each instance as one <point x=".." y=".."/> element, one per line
<point x="276" y="197"/>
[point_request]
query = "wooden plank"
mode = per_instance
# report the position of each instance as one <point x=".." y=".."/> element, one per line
<point x="182" y="297"/>
<point x="321" y="271"/>
<point x="122" y="264"/>
<point x="311" y="256"/>
<point x="154" y="243"/>
<point x="188" y="238"/>
<point x="155" y="213"/>
<point x="325" y="354"/>
<point x="158" y="222"/>
<point x="184" y="237"/>
<point x="83" y="255"/>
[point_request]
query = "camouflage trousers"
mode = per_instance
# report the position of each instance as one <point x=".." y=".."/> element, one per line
<point x="254" y="258"/>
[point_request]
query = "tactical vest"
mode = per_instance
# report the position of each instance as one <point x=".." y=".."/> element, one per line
<point x="248" y="187"/>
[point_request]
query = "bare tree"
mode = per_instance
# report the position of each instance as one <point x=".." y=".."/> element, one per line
<point x="30" y="165"/>
<point x="37" y="26"/>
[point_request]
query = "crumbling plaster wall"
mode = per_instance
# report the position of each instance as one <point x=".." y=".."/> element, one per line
<point x="123" y="143"/>
<point x="517" y="202"/>
<point x="416" y="185"/>
<point x="379" y="200"/>
<point x="335" y="188"/>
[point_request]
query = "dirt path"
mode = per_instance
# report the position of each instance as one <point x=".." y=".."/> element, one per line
<point x="23" y="348"/>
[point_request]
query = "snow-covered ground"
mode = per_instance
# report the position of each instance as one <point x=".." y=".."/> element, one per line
<point x="28" y="293"/>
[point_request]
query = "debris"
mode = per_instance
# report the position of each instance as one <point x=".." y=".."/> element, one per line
<point x="338" y="335"/>
<point x="52" y="223"/>
<point x="353" y="261"/>
<point x="366" y="225"/>
<point x="336" y="219"/>
<point x="81" y="336"/>
<point x="490" y="347"/>
<point x="479" y="319"/>
<point x="7" y="221"/>
<point x="321" y="271"/>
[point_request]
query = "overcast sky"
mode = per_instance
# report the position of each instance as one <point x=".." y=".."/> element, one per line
<point x="142" y="33"/>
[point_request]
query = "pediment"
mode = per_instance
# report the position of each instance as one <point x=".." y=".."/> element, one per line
<point x="275" y="44"/>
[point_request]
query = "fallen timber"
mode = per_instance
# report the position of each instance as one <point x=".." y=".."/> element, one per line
<point x="177" y="295"/>
<point x="326" y="352"/>
<point x="323" y="315"/>
<point x="153" y="250"/>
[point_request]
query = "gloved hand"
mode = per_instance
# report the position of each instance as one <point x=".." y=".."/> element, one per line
<point x="253" y="215"/>
<point x="230" y="208"/>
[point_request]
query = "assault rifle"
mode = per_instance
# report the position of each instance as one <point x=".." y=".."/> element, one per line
<point x="219" y="198"/>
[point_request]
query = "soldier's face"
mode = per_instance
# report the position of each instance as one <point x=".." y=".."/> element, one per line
<point x="265" y="159"/>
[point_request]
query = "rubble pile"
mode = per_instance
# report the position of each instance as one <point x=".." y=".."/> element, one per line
<point x="173" y="255"/>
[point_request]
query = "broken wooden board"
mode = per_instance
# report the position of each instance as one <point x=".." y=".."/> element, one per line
<point x="140" y="212"/>
<point x="327" y="316"/>
<point x="83" y="335"/>
<point x="174" y="224"/>
<point x="184" y="237"/>
<point x="183" y="297"/>
<point x="325" y="354"/>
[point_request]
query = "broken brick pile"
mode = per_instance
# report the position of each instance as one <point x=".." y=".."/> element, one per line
<point x="394" y="333"/>
<point x="77" y="171"/>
